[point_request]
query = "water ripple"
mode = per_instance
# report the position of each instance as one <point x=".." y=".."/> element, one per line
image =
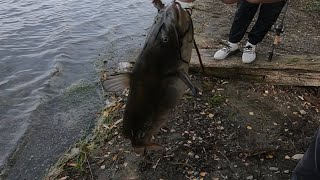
<point x="40" y="38"/>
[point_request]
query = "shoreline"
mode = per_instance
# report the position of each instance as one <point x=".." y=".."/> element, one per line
<point x="218" y="135"/>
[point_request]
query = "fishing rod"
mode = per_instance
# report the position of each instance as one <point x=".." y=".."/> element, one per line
<point x="189" y="10"/>
<point x="278" y="30"/>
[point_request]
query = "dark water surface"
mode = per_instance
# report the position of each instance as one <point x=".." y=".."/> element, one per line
<point x="47" y="45"/>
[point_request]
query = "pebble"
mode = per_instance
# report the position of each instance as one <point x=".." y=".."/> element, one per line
<point x="196" y="156"/>
<point x="196" y="173"/>
<point x="220" y="128"/>
<point x="211" y="115"/>
<point x="190" y="154"/>
<point x="286" y="171"/>
<point x="250" y="177"/>
<point x="287" y="157"/>
<point x="103" y="167"/>
<point x="274" y="168"/>
<point x="303" y="112"/>
<point x="297" y="156"/>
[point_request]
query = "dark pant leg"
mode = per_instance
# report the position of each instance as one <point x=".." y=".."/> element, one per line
<point x="242" y="20"/>
<point x="308" y="167"/>
<point x="268" y="15"/>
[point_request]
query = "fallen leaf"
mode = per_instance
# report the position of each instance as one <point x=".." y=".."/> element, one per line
<point x="269" y="156"/>
<point x="301" y="97"/>
<point x="190" y="172"/>
<point x="114" y="157"/>
<point x="203" y="174"/>
<point x="72" y="164"/>
<point x="105" y="113"/>
<point x="210" y="115"/>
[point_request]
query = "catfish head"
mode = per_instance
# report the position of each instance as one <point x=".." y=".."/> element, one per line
<point x="172" y="32"/>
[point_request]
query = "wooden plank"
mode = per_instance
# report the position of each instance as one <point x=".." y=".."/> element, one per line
<point x="282" y="70"/>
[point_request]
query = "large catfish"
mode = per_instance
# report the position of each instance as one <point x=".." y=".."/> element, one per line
<point x="159" y="77"/>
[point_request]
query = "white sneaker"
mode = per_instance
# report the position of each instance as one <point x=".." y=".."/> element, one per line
<point x="249" y="53"/>
<point x="229" y="49"/>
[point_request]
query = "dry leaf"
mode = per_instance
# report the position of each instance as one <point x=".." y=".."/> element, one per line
<point x="72" y="164"/>
<point x="269" y="156"/>
<point x="301" y="97"/>
<point x="105" y="113"/>
<point x="203" y="174"/>
<point x="210" y="115"/>
<point x="114" y="157"/>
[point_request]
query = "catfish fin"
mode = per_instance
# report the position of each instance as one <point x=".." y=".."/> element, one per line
<point x="115" y="83"/>
<point x="185" y="78"/>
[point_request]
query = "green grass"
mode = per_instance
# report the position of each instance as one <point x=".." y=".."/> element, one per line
<point x="217" y="100"/>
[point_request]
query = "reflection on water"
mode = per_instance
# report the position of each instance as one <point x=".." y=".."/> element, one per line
<point x="47" y="45"/>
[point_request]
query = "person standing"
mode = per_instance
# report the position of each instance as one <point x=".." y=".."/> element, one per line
<point x="268" y="14"/>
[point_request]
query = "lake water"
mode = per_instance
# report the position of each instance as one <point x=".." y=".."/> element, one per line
<point x="47" y="45"/>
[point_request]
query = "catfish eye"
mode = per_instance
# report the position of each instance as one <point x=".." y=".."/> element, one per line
<point x="165" y="39"/>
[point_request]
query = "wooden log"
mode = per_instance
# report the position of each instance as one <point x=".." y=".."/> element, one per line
<point x="282" y="70"/>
